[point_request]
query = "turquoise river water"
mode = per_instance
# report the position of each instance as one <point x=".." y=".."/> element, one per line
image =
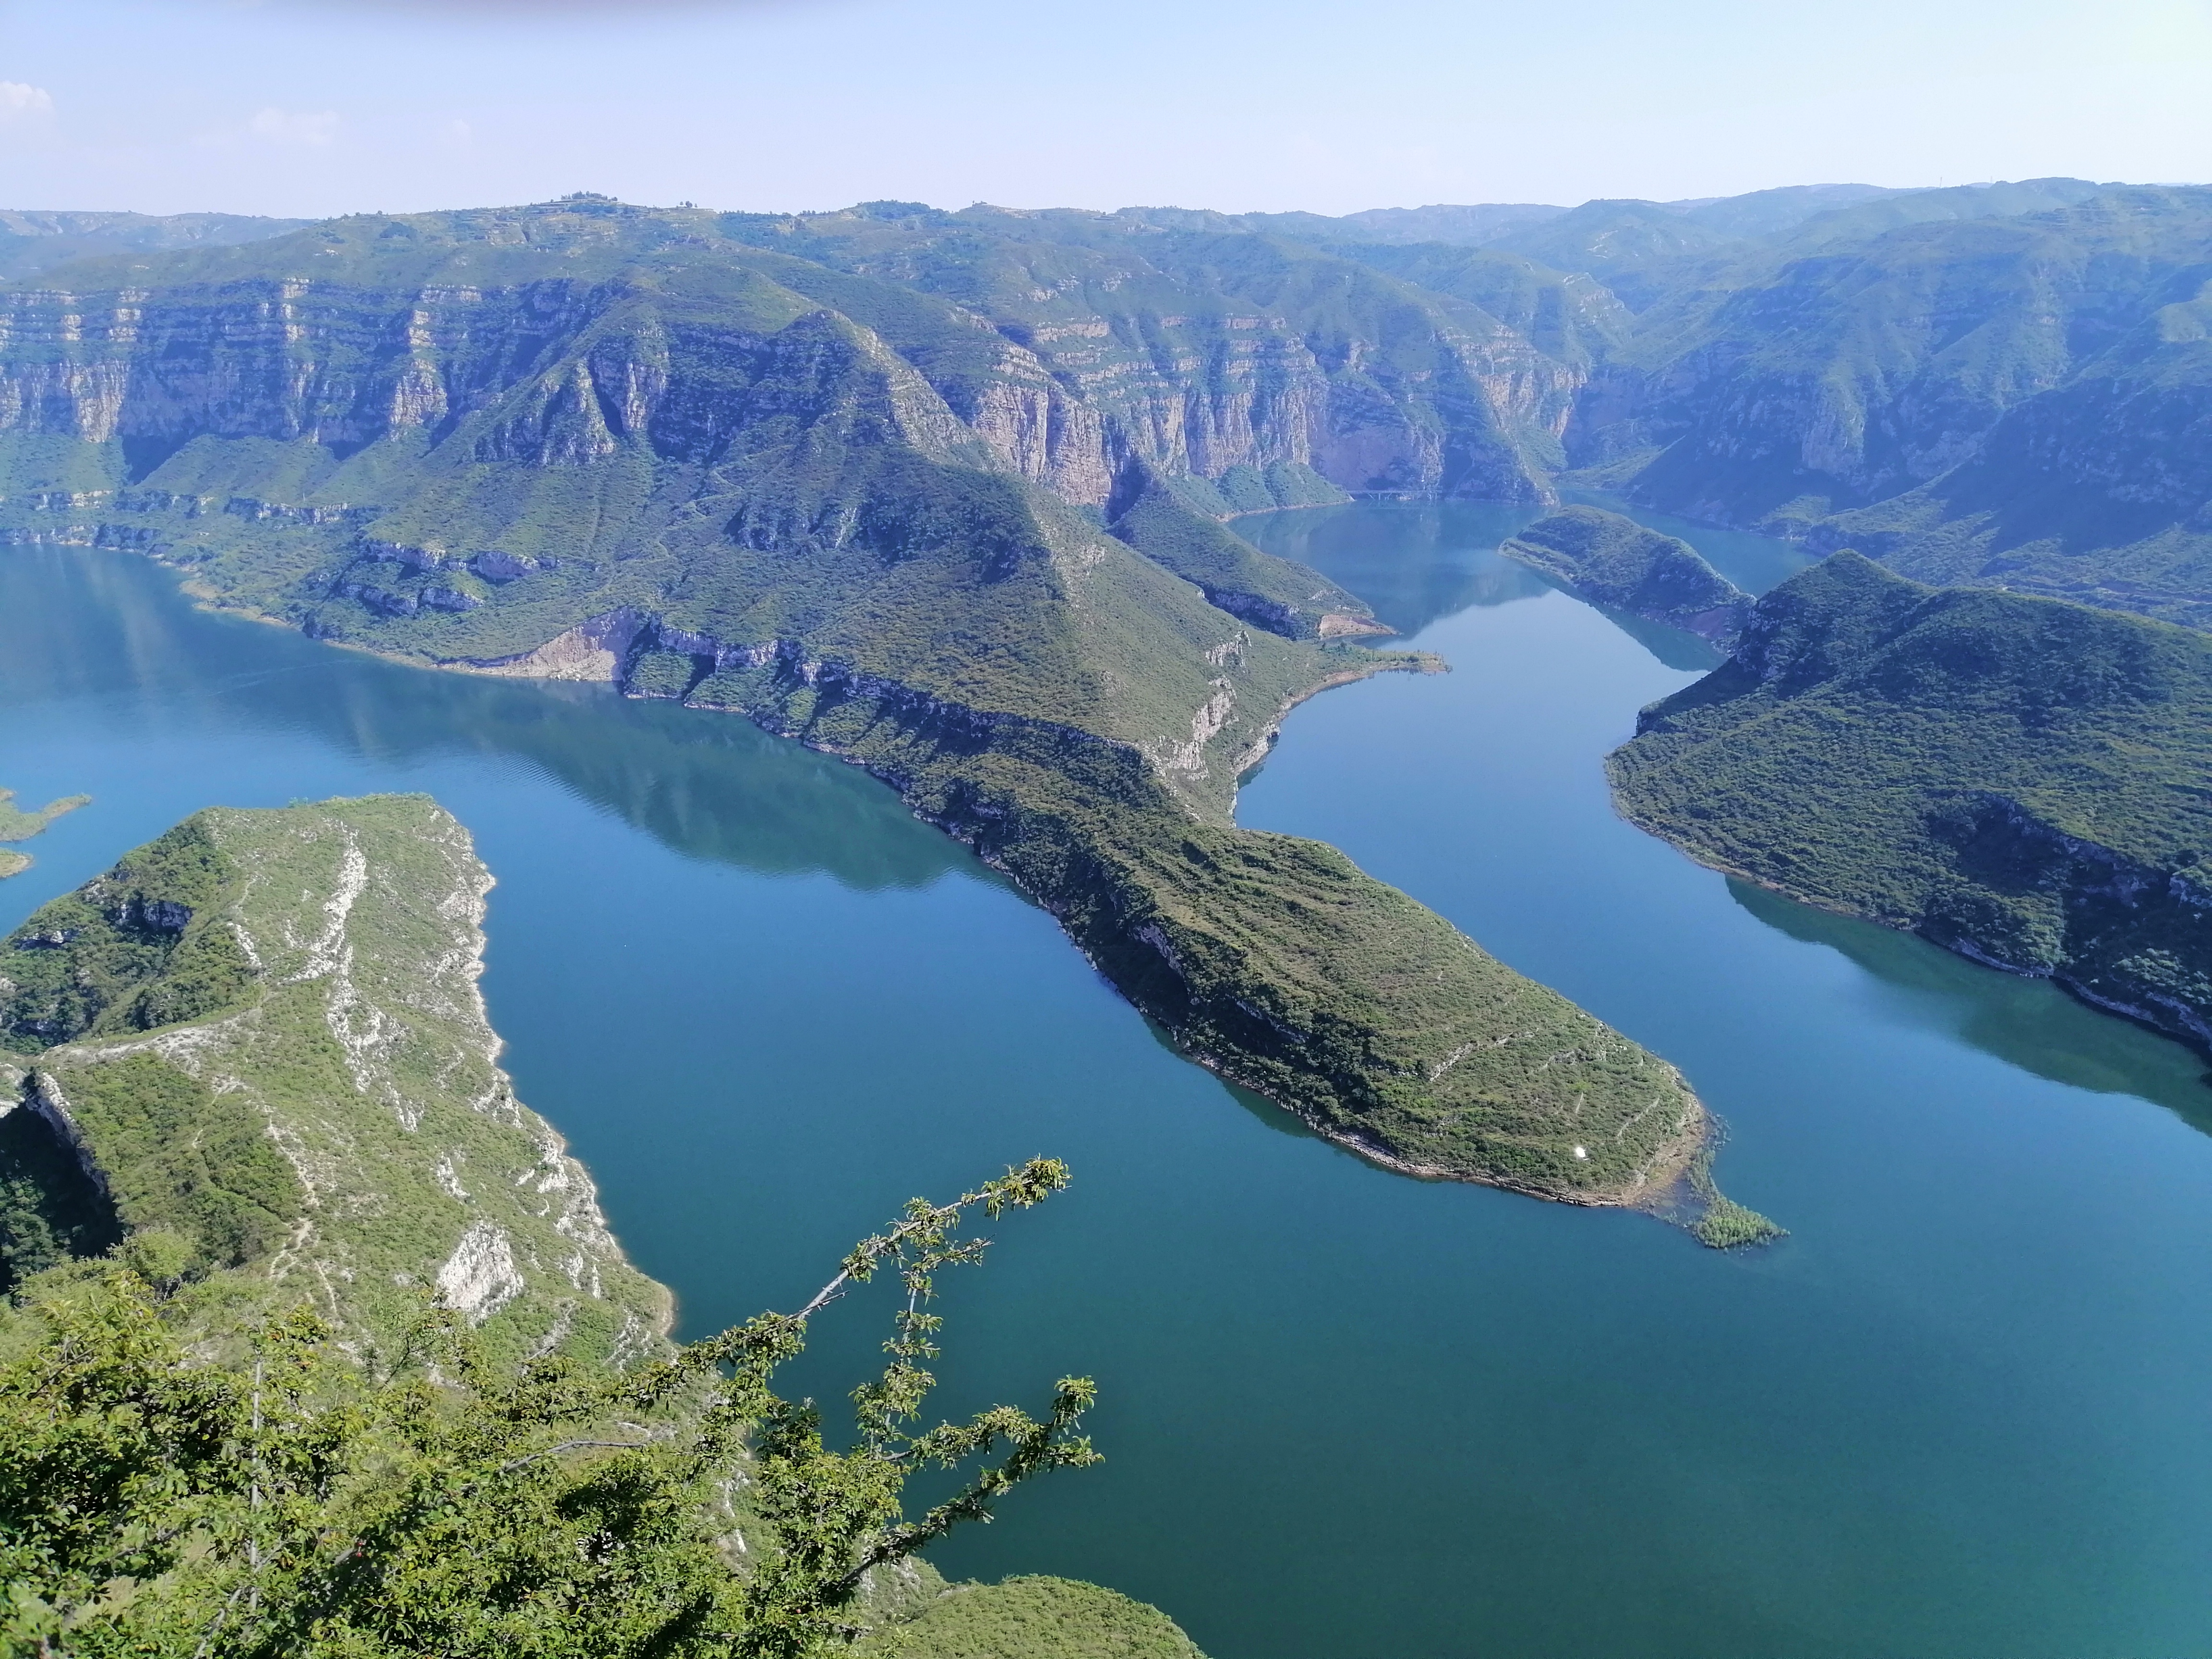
<point x="1963" y="1410"/>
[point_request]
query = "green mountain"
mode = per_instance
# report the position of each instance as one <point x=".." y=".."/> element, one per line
<point x="2004" y="384"/>
<point x="262" y="1034"/>
<point x="1761" y="213"/>
<point x="1874" y="215"/>
<point x="1572" y="317"/>
<point x="1635" y="248"/>
<point x="1814" y="383"/>
<point x="1616" y="562"/>
<point x="2020" y="780"/>
<point x="33" y="242"/>
<point x="927" y="491"/>
<point x="2099" y="489"/>
<point x="1463" y="226"/>
<point x="1773" y="212"/>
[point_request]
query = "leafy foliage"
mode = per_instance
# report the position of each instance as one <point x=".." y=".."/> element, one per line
<point x="153" y="1502"/>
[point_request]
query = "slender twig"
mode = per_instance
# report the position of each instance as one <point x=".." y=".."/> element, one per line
<point x="573" y="1445"/>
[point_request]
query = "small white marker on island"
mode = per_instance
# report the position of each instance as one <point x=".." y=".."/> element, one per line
<point x="1581" y="1152"/>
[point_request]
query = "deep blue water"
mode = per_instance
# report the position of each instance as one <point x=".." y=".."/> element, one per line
<point x="1962" y="1411"/>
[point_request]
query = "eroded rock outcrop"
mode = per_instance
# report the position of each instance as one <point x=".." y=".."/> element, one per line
<point x="264" y="1032"/>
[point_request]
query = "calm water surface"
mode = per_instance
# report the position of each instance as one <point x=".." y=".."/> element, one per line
<point x="1962" y="1411"/>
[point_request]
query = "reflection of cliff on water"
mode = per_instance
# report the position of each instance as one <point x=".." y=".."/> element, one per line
<point x="1413" y="562"/>
<point x="79" y="625"/>
<point x="2029" y="1023"/>
<point x="1419" y="562"/>
<point x="1677" y="647"/>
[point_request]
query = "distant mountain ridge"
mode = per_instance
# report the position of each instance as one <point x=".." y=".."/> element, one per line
<point x="32" y="241"/>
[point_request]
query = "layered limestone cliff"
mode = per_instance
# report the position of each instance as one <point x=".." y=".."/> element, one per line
<point x="1201" y="354"/>
<point x="264" y="1032"/>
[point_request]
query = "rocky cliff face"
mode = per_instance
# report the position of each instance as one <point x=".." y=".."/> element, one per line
<point x="1199" y="352"/>
<point x="332" y="1115"/>
<point x="1806" y="381"/>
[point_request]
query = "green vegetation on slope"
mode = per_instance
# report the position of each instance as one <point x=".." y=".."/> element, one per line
<point x="1614" y="562"/>
<point x="1149" y="512"/>
<point x="178" y="1155"/>
<point x="15" y="825"/>
<point x="1273" y="958"/>
<point x="142" y="946"/>
<point x="1033" y="1618"/>
<point x="182" y="1476"/>
<point x="2098" y="490"/>
<point x="2020" y="779"/>
<point x="261" y="1034"/>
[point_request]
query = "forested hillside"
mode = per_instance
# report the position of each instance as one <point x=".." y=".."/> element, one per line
<point x="2021" y="780"/>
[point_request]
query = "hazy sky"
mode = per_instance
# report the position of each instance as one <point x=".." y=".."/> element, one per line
<point x="320" y="106"/>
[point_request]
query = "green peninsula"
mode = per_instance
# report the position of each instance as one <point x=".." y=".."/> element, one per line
<point x="1614" y="562"/>
<point x="262" y="1034"/>
<point x="15" y="825"/>
<point x="252" y="1126"/>
<point x="744" y="464"/>
<point x="2021" y="780"/>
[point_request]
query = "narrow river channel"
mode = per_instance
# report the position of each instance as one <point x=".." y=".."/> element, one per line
<point x="1961" y="1411"/>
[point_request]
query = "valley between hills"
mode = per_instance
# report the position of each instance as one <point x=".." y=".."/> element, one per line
<point x="957" y="497"/>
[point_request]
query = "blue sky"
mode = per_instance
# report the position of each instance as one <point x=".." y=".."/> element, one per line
<point x="320" y="106"/>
